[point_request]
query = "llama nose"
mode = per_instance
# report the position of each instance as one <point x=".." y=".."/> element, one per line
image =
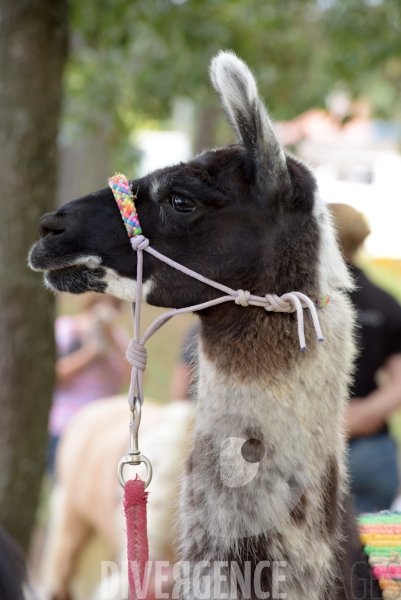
<point x="50" y="224"/>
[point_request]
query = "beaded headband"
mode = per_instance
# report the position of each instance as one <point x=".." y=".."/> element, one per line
<point x="125" y="199"/>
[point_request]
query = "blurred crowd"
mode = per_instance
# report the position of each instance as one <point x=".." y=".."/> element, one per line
<point x="91" y="361"/>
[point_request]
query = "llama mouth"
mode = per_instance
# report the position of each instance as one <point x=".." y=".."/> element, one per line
<point x="82" y="273"/>
<point x="73" y="274"/>
<point x="40" y="261"/>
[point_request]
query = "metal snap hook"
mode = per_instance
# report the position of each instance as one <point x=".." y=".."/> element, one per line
<point x="134" y="456"/>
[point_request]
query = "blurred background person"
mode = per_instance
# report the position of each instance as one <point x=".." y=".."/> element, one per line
<point x="372" y="451"/>
<point x="91" y="362"/>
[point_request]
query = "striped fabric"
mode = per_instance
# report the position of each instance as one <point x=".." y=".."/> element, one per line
<point x="125" y="199"/>
<point x="380" y="535"/>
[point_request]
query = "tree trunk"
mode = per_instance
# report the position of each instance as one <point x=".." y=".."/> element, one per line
<point x="205" y="137"/>
<point x="33" y="49"/>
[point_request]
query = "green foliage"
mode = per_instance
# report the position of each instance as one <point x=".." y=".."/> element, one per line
<point x="130" y="58"/>
<point x="365" y="41"/>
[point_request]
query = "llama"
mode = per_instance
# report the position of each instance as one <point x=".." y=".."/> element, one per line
<point x="265" y="484"/>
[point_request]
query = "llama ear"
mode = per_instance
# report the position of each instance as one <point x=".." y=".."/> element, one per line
<point x="248" y="116"/>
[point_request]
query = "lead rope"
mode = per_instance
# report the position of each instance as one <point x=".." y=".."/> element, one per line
<point x="135" y="497"/>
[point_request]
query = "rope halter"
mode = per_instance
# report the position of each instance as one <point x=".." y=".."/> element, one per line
<point x="136" y="353"/>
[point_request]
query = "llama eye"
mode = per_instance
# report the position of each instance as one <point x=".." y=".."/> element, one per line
<point x="182" y="205"/>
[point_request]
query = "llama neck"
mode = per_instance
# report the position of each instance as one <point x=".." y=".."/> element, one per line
<point x="266" y="474"/>
<point x="290" y="412"/>
<point x="255" y="383"/>
<point x="250" y="346"/>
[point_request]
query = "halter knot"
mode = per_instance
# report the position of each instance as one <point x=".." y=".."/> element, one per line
<point x="277" y="304"/>
<point x="137" y="355"/>
<point x="139" y="242"/>
<point x="243" y="297"/>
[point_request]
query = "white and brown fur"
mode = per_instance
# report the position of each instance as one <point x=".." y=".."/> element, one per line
<point x="312" y="388"/>
<point x="257" y="223"/>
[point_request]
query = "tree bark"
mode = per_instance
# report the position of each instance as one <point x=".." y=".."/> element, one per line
<point x="205" y="137"/>
<point x="33" y="50"/>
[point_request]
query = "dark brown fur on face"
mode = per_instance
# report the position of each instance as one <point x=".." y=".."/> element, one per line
<point x="230" y="334"/>
<point x="268" y="264"/>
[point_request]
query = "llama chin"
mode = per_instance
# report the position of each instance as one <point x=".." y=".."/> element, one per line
<point x="78" y="279"/>
<point x="123" y="287"/>
<point x="83" y="273"/>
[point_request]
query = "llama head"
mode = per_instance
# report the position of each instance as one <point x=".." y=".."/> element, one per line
<point x="246" y="215"/>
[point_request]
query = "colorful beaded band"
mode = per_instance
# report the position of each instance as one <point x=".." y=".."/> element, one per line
<point x="125" y="199"/>
<point x="322" y="301"/>
<point x="380" y="535"/>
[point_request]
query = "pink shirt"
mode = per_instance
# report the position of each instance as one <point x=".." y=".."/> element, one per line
<point x="99" y="379"/>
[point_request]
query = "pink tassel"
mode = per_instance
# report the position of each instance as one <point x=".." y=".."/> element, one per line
<point x="135" y="500"/>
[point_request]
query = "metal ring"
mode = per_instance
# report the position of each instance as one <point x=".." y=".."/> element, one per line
<point x="130" y="460"/>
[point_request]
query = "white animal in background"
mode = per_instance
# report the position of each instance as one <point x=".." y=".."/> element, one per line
<point x="87" y="523"/>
